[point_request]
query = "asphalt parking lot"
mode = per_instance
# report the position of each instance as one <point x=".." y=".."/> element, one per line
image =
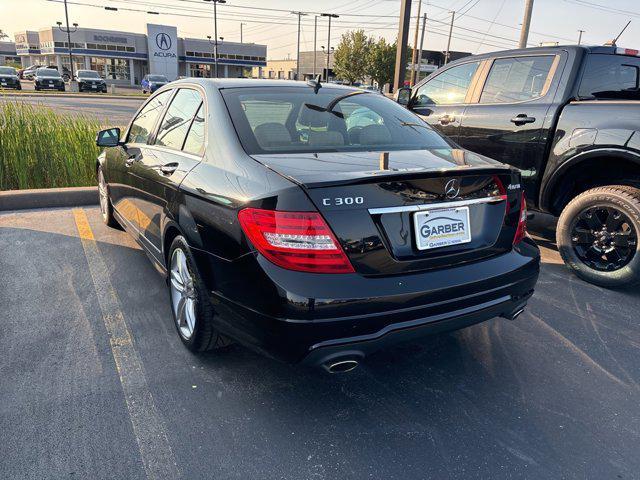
<point x="96" y="384"/>
<point x="108" y="110"/>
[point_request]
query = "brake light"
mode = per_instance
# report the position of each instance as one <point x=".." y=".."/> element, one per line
<point x="521" y="231"/>
<point x="627" y="51"/>
<point x="299" y="241"/>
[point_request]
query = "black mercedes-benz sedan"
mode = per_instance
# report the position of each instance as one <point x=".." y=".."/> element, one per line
<point x="312" y="222"/>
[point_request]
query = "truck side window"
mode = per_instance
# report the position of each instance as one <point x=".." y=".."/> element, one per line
<point x="516" y="79"/>
<point x="448" y="88"/>
<point x="610" y="77"/>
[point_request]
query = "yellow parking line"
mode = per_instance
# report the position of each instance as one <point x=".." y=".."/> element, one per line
<point x="148" y="427"/>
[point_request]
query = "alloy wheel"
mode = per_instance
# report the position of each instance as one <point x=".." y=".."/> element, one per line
<point x="104" y="196"/>
<point x="604" y="238"/>
<point x="183" y="294"/>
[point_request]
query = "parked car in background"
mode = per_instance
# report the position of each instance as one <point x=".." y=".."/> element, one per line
<point x="65" y="74"/>
<point x="9" y="78"/>
<point x="569" y="119"/>
<point x="48" y="79"/>
<point x="150" y="83"/>
<point x="90" y="81"/>
<point x="280" y="228"/>
<point x="29" y="72"/>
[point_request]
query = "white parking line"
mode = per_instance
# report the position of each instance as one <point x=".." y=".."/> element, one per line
<point x="148" y="427"/>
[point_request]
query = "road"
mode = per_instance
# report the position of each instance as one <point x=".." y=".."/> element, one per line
<point x="96" y="384"/>
<point x="108" y="110"/>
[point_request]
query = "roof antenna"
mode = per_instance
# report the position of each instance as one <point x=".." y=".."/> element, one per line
<point x="315" y="84"/>
<point x="612" y="43"/>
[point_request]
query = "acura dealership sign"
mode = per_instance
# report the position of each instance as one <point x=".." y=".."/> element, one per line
<point x="163" y="50"/>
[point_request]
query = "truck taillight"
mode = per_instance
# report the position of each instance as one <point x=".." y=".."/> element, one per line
<point x="299" y="241"/>
<point x="521" y="231"/>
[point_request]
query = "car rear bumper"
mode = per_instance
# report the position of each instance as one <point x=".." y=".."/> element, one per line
<point x="311" y="318"/>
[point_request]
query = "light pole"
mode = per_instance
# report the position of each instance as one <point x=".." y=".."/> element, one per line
<point x="299" y="14"/>
<point x="526" y="23"/>
<point x="315" y="36"/>
<point x="580" y="32"/>
<point x="446" y="55"/>
<point x="328" y="54"/>
<point x="241" y="24"/>
<point x="68" y="31"/>
<point x="329" y="49"/>
<point x="215" y="34"/>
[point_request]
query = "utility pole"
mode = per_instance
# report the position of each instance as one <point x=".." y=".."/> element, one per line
<point x="526" y="23"/>
<point x="68" y="31"/>
<point x="424" y="24"/>
<point x="241" y="24"/>
<point x="315" y="36"/>
<point x="215" y="34"/>
<point x="299" y="14"/>
<point x="401" y="51"/>
<point x="414" y="54"/>
<point x="580" y="32"/>
<point x="446" y="55"/>
<point x="331" y="15"/>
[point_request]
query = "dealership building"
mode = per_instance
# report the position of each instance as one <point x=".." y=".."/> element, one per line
<point x="125" y="58"/>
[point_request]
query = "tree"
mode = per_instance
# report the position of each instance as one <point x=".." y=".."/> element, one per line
<point x="3" y="35"/>
<point x="350" y="58"/>
<point x="381" y="62"/>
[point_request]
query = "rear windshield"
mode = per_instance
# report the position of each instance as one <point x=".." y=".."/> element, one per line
<point x="47" y="72"/>
<point x="157" y="78"/>
<point x="608" y="77"/>
<point x="7" y="71"/>
<point x="88" y="74"/>
<point x="297" y="120"/>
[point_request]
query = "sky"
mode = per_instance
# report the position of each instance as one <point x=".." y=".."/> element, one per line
<point x="480" y="25"/>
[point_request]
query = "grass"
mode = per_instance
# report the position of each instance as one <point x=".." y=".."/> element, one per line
<point x="42" y="149"/>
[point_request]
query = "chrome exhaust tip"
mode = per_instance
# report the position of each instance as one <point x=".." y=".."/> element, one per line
<point x="341" y="366"/>
<point x="515" y="314"/>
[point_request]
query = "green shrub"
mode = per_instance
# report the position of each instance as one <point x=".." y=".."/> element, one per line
<point x="42" y="149"/>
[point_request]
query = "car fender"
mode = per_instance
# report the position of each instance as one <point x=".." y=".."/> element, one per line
<point x="568" y="163"/>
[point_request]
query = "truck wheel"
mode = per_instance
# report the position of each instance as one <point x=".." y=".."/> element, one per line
<point x="597" y="235"/>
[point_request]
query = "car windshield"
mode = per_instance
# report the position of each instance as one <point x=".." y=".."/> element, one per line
<point x="47" y="72"/>
<point x="88" y="74"/>
<point x="297" y="120"/>
<point x="7" y="71"/>
<point x="158" y="78"/>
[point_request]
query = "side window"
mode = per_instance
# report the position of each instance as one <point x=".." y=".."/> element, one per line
<point x="516" y="79"/>
<point x="610" y="77"/>
<point x="178" y="118"/>
<point x="447" y="88"/>
<point x="143" y="125"/>
<point x="195" y="138"/>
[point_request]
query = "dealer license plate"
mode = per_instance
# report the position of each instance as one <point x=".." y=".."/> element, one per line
<point x="442" y="227"/>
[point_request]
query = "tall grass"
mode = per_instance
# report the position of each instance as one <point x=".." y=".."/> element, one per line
<point x="40" y="148"/>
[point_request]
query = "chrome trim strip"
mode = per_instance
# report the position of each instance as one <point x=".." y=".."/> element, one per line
<point x="436" y="206"/>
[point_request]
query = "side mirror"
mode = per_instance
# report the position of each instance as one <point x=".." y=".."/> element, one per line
<point x="403" y="95"/>
<point x="108" y="138"/>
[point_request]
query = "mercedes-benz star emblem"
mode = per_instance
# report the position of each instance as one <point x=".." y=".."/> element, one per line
<point x="452" y="188"/>
<point x="163" y="41"/>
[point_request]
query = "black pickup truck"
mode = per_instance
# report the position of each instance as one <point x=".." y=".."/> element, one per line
<point x="569" y="118"/>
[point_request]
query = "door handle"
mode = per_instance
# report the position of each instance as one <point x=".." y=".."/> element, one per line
<point x="522" y="118"/>
<point x="169" y="168"/>
<point x="131" y="159"/>
<point x="446" y="119"/>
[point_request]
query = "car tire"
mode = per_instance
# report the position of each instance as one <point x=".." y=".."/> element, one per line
<point x="193" y="312"/>
<point x="106" y="208"/>
<point x="580" y="239"/>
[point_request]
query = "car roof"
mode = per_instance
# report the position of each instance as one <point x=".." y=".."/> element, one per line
<point x="537" y="50"/>
<point x="222" y="83"/>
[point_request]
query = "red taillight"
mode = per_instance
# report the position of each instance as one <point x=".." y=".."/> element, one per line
<point x="521" y="231"/>
<point x="295" y="240"/>
<point x="627" y="51"/>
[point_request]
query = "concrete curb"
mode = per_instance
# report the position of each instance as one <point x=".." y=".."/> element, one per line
<point x="48" y="198"/>
<point x="72" y="95"/>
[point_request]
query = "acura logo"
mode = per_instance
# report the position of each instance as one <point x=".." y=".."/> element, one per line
<point x="452" y="188"/>
<point x="163" y="41"/>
